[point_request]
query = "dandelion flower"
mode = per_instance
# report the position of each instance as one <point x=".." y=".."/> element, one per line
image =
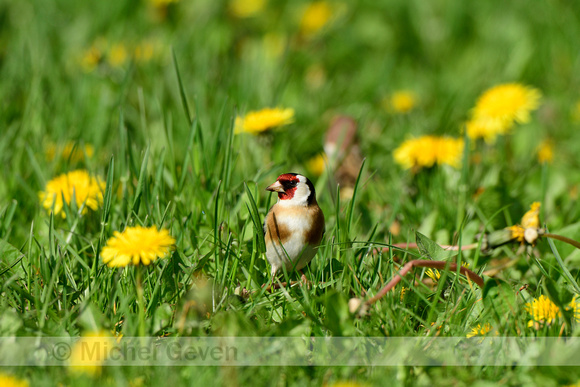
<point x="137" y="245"/>
<point x="274" y="45"/>
<point x="528" y="228"/>
<point x="91" y="59"/>
<point x="117" y="55"/>
<point x="545" y="152"/>
<point x="532" y="217"/>
<point x="162" y="3"/>
<point x="506" y="104"/>
<point x="347" y="383"/>
<point x="246" y="8"/>
<point x="71" y="151"/>
<point x="576" y="112"/>
<point x="542" y="310"/>
<point x="262" y="120"/>
<point x="316" y="15"/>
<point x="545" y="312"/>
<point x="480" y="330"/>
<point x="404" y="291"/>
<point x="485" y="128"/>
<point x="79" y="185"/>
<point x="144" y="51"/>
<point x="427" y="151"/>
<point x="317" y="164"/>
<point x="401" y="102"/>
<point x="433" y="274"/>
<point x="90" y="352"/>
<point x="12" y="381"/>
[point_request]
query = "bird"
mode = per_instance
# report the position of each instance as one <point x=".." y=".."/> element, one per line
<point x="294" y="226"/>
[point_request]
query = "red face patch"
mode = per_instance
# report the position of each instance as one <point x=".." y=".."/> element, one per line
<point x="289" y="181"/>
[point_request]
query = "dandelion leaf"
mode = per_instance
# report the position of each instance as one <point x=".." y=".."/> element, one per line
<point x="10" y="258"/>
<point x="498" y="298"/>
<point x="431" y="249"/>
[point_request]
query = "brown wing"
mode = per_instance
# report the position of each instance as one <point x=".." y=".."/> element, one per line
<point x="274" y="230"/>
<point x="314" y="235"/>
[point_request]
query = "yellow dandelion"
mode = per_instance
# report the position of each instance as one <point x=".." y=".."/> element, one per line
<point x="12" y="381"/>
<point x="542" y="310"/>
<point x="517" y="233"/>
<point x="426" y="151"/>
<point x="91" y="59"/>
<point x="70" y="151"/>
<point x="79" y="185"/>
<point x="480" y="330"/>
<point x="274" y="45"/>
<point x="507" y="104"/>
<point x="144" y="51"/>
<point x="576" y="112"/>
<point x="317" y="164"/>
<point x="246" y="8"/>
<point x="89" y="353"/>
<point x="262" y="120"/>
<point x="117" y="55"/>
<point x="346" y="383"/>
<point x="401" y="102"/>
<point x="404" y="291"/>
<point x="137" y="382"/>
<point x="532" y="217"/>
<point x="527" y="230"/>
<point x="434" y="274"/>
<point x="575" y="307"/>
<point x="485" y="128"/>
<point x="315" y="16"/>
<point x="545" y="152"/>
<point x="137" y="245"/>
<point x="161" y="3"/>
<point x="77" y="153"/>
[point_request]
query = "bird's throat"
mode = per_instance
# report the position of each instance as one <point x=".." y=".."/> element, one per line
<point x="287" y="195"/>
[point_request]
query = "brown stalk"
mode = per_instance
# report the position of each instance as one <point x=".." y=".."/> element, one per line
<point x="562" y="239"/>
<point x="445" y="247"/>
<point x="424" y="263"/>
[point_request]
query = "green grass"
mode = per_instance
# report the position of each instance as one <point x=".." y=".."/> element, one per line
<point x="162" y="132"/>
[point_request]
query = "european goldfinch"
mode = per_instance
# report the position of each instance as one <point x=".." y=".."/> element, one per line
<point x="294" y="225"/>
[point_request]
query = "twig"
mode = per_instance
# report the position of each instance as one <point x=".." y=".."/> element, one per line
<point x="424" y="263"/>
<point x="562" y="239"/>
<point x="446" y="247"/>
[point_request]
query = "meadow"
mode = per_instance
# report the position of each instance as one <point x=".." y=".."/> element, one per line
<point x="138" y="137"/>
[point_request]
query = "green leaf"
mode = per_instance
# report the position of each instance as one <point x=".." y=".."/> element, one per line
<point x="182" y="94"/>
<point x="108" y="191"/>
<point x="558" y="293"/>
<point x="498" y="298"/>
<point x="141" y="182"/>
<point x="431" y="249"/>
<point x="255" y="215"/>
<point x="162" y="317"/>
<point x="565" y="270"/>
<point x="10" y="258"/>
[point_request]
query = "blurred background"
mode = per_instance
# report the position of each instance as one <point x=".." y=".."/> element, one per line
<point x="71" y="70"/>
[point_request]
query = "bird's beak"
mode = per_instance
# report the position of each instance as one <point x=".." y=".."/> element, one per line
<point x="276" y="187"/>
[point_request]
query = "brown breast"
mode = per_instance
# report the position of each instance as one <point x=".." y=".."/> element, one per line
<point x="278" y="231"/>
